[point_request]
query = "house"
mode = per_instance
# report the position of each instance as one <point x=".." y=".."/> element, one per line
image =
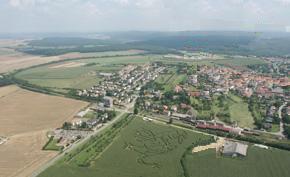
<point x="206" y="95"/>
<point x="288" y="110"/>
<point x="236" y="131"/>
<point x="181" y="116"/>
<point x="81" y="114"/>
<point x="77" y="121"/>
<point x="234" y="149"/>
<point x="267" y="126"/>
<point x="177" y="89"/>
<point x="108" y="102"/>
<point x="269" y="120"/>
<point x="272" y="110"/>
<point x="174" y="108"/>
<point x="194" y="93"/>
<point x="278" y="91"/>
<point x="193" y="79"/>
<point x="106" y="74"/>
<point x="92" y="122"/>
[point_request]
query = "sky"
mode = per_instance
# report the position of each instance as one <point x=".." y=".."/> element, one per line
<point x="26" y="16"/>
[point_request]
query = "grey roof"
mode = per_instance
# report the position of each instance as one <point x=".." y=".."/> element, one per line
<point x="232" y="148"/>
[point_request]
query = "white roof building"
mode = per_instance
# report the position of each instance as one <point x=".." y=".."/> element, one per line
<point x="235" y="149"/>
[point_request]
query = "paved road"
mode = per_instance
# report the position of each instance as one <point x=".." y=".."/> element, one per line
<point x="74" y="146"/>
<point x="281" y="120"/>
<point x="280" y="133"/>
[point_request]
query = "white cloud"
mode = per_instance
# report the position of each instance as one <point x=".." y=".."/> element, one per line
<point x="285" y="2"/>
<point x="142" y="14"/>
<point x="123" y="2"/>
<point x="91" y="8"/>
<point x="26" y="3"/>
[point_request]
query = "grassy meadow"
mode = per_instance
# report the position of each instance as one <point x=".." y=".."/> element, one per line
<point x="240" y="61"/>
<point x="239" y="112"/>
<point x="52" y="145"/>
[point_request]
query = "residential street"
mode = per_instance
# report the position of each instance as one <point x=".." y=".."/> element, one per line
<point x="281" y="120"/>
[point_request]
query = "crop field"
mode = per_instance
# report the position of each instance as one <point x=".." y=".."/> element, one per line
<point x="142" y="148"/>
<point x="258" y="163"/>
<point x="79" y="74"/>
<point x="33" y="111"/>
<point x="26" y="118"/>
<point x="15" y="60"/>
<point x="22" y="154"/>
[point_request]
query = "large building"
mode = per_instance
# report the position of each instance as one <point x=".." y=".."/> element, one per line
<point x="234" y="149"/>
<point x="108" y="102"/>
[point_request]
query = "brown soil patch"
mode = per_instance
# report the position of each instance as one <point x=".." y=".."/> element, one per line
<point x="12" y="60"/>
<point x="25" y="117"/>
<point x="22" y="154"/>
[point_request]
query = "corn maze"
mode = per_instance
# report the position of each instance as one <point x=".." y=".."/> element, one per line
<point x="148" y="143"/>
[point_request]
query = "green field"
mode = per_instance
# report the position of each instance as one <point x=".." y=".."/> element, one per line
<point x="174" y="80"/>
<point x="240" y="113"/>
<point x="258" y="163"/>
<point x="163" y="78"/>
<point x="79" y="77"/>
<point x="223" y="60"/>
<point x="141" y="149"/>
<point x="4" y="51"/>
<point x="275" y="128"/>
<point x="52" y="145"/>
<point x="240" y="61"/>
<point x="113" y="53"/>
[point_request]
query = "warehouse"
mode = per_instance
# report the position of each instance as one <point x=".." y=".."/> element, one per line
<point x="235" y="149"/>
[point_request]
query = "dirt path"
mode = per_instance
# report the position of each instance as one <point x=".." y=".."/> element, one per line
<point x="215" y="145"/>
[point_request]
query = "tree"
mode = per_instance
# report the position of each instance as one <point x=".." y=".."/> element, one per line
<point x="286" y="119"/>
<point x="136" y="111"/>
<point x="170" y="120"/>
<point x="287" y="130"/>
<point x="83" y="125"/>
<point x="66" y="126"/>
<point x="169" y="95"/>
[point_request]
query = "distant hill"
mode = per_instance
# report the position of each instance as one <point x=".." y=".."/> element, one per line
<point x="238" y="43"/>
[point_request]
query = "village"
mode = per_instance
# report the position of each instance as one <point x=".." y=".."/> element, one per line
<point x="84" y="124"/>
<point x="121" y="88"/>
<point x="203" y="98"/>
<point x="116" y="93"/>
